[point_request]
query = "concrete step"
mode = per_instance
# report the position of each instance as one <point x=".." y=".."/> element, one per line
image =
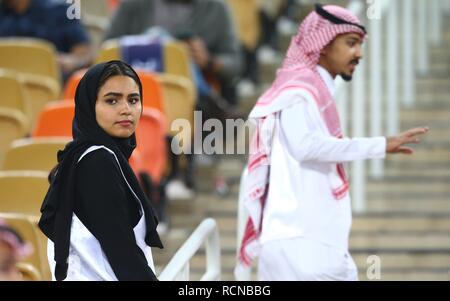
<point x="422" y="114"/>
<point x="421" y="155"/>
<point x="408" y="196"/>
<point x="395" y="241"/>
<point x="427" y="85"/>
<point x="438" y="171"/>
<point x="378" y="222"/>
<point x="411" y="275"/>
<point x="401" y="242"/>
<point x="410" y="184"/>
<point x="412" y="206"/>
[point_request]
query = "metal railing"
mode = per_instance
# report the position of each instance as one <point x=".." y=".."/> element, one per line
<point x="178" y="269"/>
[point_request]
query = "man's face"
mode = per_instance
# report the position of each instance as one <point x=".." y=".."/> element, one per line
<point x="342" y="56"/>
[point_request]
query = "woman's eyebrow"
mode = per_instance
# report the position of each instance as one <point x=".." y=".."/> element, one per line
<point x="134" y="95"/>
<point x="113" y="94"/>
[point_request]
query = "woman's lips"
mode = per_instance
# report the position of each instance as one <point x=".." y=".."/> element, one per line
<point x="125" y="123"/>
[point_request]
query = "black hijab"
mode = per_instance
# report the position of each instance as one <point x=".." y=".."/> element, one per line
<point x="58" y="205"/>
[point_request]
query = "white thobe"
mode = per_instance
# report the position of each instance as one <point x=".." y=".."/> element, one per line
<point x="305" y="230"/>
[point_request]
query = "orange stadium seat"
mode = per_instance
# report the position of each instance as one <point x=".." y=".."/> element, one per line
<point x="55" y="120"/>
<point x="151" y="143"/>
<point x="153" y="95"/>
<point x="72" y="84"/>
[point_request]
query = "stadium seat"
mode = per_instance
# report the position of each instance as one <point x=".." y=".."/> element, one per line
<point x="33" y="154"/>
<point x="55" y="120"/>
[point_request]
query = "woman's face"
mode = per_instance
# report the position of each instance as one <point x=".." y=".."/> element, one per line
<point x="118" y="107"/>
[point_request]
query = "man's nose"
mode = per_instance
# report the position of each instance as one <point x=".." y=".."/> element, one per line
<point x="359" y="52"/>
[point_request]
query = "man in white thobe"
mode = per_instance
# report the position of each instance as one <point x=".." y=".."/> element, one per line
<point x="297" y="189"/>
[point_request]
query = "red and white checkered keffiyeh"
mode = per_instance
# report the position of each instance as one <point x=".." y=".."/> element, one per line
<point x="299" y="72"/>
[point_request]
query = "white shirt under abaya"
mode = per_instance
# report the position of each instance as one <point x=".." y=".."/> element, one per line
<point x="87" y="261"/>
<point x="300" y="208"/>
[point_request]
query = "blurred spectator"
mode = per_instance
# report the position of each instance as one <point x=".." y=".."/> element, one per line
<point x="205" y="25"/>
<point x="277" y="17"/>
<point x="246" y="16"/>
<point x="270" y="11"/>
<point x="12" y="249"/>
<point x="48" y="20"/>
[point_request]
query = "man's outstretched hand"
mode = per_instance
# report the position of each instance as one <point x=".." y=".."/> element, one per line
<point x="396" y="144"/>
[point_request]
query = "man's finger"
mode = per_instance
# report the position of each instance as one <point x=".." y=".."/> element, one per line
<point x="406" y="150"/>
<point x="417" y="131"/>
<point x="412" y="140"/>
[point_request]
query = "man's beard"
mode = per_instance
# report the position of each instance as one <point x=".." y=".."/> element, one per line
<point x="349" y="77"/>
<point x="346" y="77"/>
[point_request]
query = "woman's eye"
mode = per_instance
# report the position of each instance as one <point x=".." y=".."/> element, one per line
<point x="111" y="101"/>
<point x="134" y="100"/>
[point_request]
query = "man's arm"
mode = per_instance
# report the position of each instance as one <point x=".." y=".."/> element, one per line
<point x="306" y="142"/>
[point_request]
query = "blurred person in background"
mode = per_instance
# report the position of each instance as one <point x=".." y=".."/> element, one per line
<point x="297" y="190"/>
<point x="48" y="20"/>
<point x="205" y="25"/>
<point x="12" y="250"/>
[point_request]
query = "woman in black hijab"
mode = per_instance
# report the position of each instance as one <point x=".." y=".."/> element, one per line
<point x="95" y="214"/>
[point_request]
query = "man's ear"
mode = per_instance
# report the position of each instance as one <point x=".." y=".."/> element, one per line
<point x="324" y="50"/>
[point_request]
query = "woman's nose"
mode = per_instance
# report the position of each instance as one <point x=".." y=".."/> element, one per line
<point x="125" y="108"/>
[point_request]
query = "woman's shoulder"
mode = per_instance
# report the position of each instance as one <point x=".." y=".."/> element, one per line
<point x="96" y="158"/>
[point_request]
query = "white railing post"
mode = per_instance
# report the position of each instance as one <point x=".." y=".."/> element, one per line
<point x="392" y="70"/>
<point x="408" y="54"/>
<point x="358" y="124"/>
<point x="436" y="22"/>
<point x="423" y="32"/>
<point x="178" y="267"/>
<point x="376" y="96"/>
<point x="213" y="264"/>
